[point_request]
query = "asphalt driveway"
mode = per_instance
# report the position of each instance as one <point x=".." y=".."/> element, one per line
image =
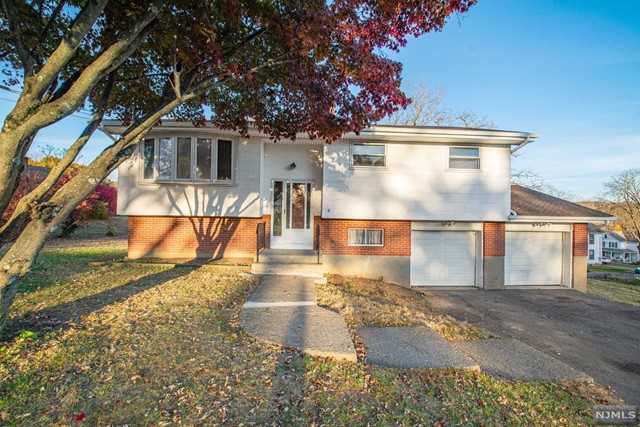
<point x="598" y="337"/>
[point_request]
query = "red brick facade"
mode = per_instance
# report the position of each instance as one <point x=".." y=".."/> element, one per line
<point x="493" y="239"/>
<point x="335" y="237"/>
<point x="580" y="240"/>
<point x="190" y="237"/>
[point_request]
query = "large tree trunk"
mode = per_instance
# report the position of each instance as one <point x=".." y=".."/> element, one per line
<point x="47" y="216"/>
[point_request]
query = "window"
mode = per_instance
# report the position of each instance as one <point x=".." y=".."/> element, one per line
<point x="187" y="159"/>
<point x="591" y="239"/>
<point x="464" y="158"/>
<point x="604" y="244"/>
<point x="148" y="156"/>
<point x="591" y="254"/>
<point x="203" y="159"/>
<point x="366" y="237"/>
<point x="368" y="155"/>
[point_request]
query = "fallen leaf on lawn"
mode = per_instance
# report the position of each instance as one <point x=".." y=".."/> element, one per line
<point x="80" y="416"/>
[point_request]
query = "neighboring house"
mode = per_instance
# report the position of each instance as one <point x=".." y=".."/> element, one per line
<point x="617" y="246"/>
<point x="419" y="206"/>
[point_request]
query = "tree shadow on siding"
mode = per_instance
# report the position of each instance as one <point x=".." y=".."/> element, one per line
<point x="213" y="222"/>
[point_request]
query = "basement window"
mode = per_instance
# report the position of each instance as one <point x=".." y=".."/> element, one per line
<point x="187" y="159"/>
<point x="366" y="237"/>
<point x="464" y="158"/>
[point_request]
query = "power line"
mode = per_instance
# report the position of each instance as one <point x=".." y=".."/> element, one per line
<point x="76" y="115"/>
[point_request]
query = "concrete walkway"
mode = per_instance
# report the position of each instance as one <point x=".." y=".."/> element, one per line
<point x="283" y="310"/>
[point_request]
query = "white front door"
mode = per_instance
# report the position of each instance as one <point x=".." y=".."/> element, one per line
<point x="292" y="218"/>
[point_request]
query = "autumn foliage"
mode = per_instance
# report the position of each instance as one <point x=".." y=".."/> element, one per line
<point x="100" y="204"/>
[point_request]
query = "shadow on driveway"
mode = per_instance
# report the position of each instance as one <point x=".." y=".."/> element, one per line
<point x="598" y="337"/>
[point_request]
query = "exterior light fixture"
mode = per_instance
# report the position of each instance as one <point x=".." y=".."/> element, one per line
<point x="292" y="166"/>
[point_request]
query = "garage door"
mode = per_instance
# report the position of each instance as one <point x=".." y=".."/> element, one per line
<point x="443" y="258"/>
<point x="533" y="258"/>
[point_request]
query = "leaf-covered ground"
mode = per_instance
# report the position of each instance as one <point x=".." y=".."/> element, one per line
<point x="366" y="302"/>
<point x="154" y="345"/>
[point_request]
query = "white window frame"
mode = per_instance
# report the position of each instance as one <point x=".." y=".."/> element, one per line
<point x="174" y="159"/>
<point x="449" y="157"/>
<point x="592" y="239"/>
<point x="353" y="166"/>
<point x="365" y="230"/>
<point x="592" y="255"/>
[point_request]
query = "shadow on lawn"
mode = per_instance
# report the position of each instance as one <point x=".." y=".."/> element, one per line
<point x="63" y="315"/>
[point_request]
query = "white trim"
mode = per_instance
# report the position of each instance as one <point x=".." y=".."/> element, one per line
<point x="445" y="226"/>
<point x="563" y="228"/>
<point x="561" y="219"/>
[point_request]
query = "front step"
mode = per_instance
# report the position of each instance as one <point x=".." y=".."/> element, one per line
<point x="291" y="269"/>
<point x="286" y="256"/>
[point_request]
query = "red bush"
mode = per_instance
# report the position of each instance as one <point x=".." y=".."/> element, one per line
<point x="100" y="204"/>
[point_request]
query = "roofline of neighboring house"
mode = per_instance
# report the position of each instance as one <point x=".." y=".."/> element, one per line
<point x="388" y="133"/>
<point x="561" y="219"/>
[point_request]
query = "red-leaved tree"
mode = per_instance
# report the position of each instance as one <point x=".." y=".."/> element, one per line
<point x="287" y="66"/>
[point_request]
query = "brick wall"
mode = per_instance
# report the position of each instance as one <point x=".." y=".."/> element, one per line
<point x="580" y="239"/>
<point x="190" y="237"/>
<point x="335" y="237"/>
<point x="493" y="239"/>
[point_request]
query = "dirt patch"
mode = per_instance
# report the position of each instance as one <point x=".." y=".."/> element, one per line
<point x="366" y="302"/>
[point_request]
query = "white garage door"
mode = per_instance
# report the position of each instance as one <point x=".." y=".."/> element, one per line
<point x="443" y="258"/>
<point x="533" y="258"/>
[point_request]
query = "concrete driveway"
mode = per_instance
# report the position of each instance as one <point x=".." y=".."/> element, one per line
<point x="598" y="337"/>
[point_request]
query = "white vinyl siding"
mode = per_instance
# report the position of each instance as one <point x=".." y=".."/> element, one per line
<point x="416" y="185"/>
<point x="533" y="258"/>
<point x="443" y="258"/>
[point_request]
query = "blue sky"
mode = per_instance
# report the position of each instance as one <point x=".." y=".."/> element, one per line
<point x="569" y="70"/>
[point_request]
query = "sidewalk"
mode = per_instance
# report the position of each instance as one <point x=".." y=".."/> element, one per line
<point x="283" y="310"/>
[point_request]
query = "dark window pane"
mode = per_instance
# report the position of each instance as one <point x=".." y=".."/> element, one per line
<point x="183" y="166"/>
<point x="309" y="192"/>
<point x="364" y="160"/>
<point x="277" y="208"/>
<point x="203" y="158"/>
<point x="298" y="201"/>
<point x="287" y="210"/>
<point x="148" y="158"/>
<point x="224" y="160"/>
<point x="165" y="158"/>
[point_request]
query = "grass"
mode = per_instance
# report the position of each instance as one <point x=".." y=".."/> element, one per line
<point x="154" y="345"/>
<point x="374" y="303"/>
<point x="620" y="291"/>
<point x="612" y="269"/>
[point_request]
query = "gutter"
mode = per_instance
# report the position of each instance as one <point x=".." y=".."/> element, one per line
<point x="526" y="141"/>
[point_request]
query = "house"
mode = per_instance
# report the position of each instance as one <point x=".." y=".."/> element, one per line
<point x="417" y="206"/>
<point x="614" y="245"/>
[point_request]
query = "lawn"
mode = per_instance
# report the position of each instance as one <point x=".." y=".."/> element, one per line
<point x="612" y="268"/>
<point x="128" y="343"/>
<point x="620" y="291"/>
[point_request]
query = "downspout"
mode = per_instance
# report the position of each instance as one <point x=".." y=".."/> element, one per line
<point x="522" y="144"/>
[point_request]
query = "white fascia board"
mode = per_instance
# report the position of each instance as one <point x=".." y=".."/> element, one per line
<point x="562" y="219"/>
<point x="443" y="135"/>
